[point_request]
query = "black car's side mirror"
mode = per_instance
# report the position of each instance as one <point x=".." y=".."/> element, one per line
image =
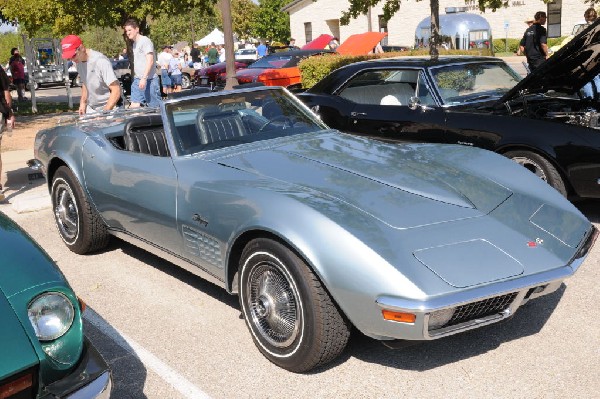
<point x="414" y="102"/>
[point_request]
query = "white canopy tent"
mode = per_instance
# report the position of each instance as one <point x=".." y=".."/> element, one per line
<point x="216" y="37"/>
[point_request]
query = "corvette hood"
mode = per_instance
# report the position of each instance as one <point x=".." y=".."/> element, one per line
<point x="380" y="179"/>
<point x="566" y="71"/>
<point x="360" y="43"/>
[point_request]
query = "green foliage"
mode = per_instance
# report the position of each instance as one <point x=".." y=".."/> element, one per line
<point x="270" y="23"/>
<point x="106" y="40"/>
<point x="500" y="45"/>
<point x="242" y="14"/>
<point x="8" y="41"/>
<point x="180" y="27"/>
<point x="314" y="69"/>
<point x="44" y="108"/>
<point x="555" y="40"/>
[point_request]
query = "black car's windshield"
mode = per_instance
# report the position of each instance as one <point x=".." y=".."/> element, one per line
<point x="237" y="118"/>
<point x="465" y="83"/>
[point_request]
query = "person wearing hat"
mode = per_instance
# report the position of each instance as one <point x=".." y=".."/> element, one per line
<point x="100" y="90"/>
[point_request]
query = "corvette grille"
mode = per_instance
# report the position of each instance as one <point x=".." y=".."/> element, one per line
<point x="480" y="309"/>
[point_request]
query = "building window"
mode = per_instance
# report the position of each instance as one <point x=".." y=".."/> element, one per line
<point x="308" y="31"/>
<point x="554" y="17"/>
<point x="383" y="28"/>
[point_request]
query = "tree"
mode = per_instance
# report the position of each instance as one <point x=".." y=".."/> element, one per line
<point x="270" y="23"/>
<point x="173" y="28"/>
<point x="242" y="14"/>
<point x="390" y="7"/>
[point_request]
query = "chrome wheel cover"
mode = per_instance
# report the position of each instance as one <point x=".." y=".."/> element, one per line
<point x="274" y="305"/>
<point x="66" y="213"/>
<point x="532" y="166"/>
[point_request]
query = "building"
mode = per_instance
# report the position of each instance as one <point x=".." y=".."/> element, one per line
<point x="310" y="18"/>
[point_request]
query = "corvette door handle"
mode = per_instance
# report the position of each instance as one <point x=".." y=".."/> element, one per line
<point x="358" y="113"/>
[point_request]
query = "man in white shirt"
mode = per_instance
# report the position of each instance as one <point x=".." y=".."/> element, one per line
<point x="100" y="90"/>
<point x="164" y="59"/>
<point x="144" y="88"/>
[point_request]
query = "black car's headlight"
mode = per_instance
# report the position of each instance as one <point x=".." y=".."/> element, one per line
<point x="51" y="315"/>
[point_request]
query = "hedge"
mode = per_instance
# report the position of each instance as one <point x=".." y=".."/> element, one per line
<point x="313" y="69"/>
<point x="513" y="44"/>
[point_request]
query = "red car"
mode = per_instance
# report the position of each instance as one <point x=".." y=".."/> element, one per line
<point x="281" y="69"/>
<point x="214" y="74"/>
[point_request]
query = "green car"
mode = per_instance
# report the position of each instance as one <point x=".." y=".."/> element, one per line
<point x="43" y="351"/>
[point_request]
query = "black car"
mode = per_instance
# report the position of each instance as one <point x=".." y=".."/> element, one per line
<point x="543" y="121"/>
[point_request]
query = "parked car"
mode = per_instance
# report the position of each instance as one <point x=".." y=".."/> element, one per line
<point x="44" y="352"/>
<point x="277" y="69"/>
<point x="246" y="54"/>
<point x="315" y="230"/>
<point x="540" y="122"/>
<point x="281" y="69"/>
<point x="215" y="74"/>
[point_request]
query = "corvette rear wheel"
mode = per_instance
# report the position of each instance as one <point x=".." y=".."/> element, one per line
<point x="293" y="320"/>
<point x="541" y="167"/>
<point x="78" y="223"/>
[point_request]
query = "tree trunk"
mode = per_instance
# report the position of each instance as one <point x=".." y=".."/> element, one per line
<point x="435" y="29"/>
<point x="231" y="80"/>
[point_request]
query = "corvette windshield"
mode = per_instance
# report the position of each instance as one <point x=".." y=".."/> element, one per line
<point x="237" y="118"/>
<point x="465" y="83"/>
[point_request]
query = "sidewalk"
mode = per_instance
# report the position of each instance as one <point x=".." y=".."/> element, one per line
<point x="25" y="190"/>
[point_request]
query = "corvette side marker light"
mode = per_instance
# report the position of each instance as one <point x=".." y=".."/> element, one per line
<point x="398" y="316"/>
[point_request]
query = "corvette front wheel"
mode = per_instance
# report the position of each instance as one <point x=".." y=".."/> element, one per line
<point x="293" y="320"/>
<point x="78" y="223"/>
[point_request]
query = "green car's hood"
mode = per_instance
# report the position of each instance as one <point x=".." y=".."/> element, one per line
<point x="16" y="352"/>
<point x="23" y="264"/>
<point x="402" y="186"/>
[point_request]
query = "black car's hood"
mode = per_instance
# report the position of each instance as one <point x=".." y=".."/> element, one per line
<point x="566" y="71"/>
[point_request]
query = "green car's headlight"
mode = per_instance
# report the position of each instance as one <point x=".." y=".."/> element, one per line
<point x="51" y="315"/>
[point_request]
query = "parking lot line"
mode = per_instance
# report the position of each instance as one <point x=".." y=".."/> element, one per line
<point x="179" y="382"/>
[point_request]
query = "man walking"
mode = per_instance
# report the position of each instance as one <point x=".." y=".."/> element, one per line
<point x="533" y="43"/>
<point x="100" y="89"/>
<point x="144" y="88"/>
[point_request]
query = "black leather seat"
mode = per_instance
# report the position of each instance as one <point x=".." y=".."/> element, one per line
<point x="145" y="134"/>
<point x="215" y="125"/>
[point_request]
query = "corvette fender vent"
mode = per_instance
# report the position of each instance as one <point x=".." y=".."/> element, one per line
<point x="203" y="246"/>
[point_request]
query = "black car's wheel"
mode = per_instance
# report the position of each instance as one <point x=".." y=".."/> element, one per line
<point x="186" y="82"/>
<point x="541" y="167"/>
<point x="293" y="320"/>
<point x="80" y="227"/>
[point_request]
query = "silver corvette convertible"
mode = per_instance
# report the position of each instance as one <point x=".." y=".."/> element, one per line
<point x="316" y="231"/>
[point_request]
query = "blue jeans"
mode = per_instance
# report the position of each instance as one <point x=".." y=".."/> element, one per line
<point x="151" y="94"/>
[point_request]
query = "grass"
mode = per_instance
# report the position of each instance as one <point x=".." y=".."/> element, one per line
<point x="24" y="108"/>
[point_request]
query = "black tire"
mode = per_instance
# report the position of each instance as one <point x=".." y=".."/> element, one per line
<point x="541" y="167"/>
<point x="186" y="82"/>
<point x="78" y="223"/>
<point x="292" y="319"/>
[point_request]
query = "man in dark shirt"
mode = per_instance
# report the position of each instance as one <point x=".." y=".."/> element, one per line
<point x="533" y="43"/>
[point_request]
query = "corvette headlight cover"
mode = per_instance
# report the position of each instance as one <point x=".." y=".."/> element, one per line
<point x="51" y="315"/>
